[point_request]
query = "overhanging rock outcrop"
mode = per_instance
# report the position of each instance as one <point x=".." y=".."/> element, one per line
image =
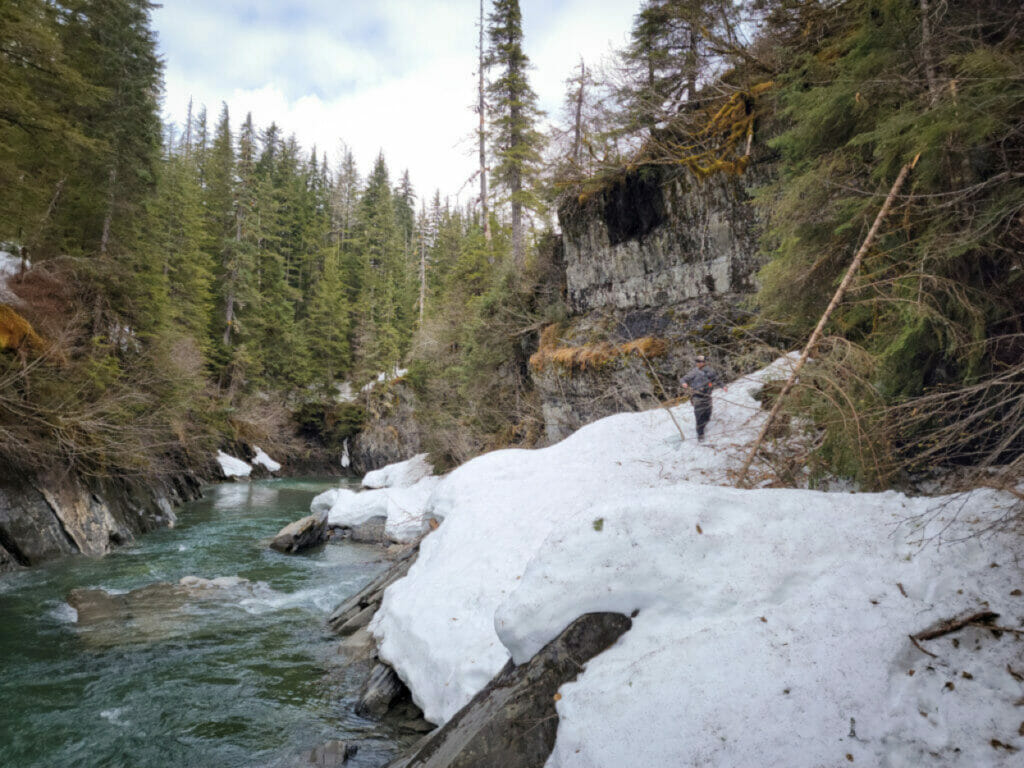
<point x="658" y="236"/>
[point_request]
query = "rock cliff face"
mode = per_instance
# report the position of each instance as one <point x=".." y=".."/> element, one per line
<point x="54" y="515"/>
<point x="657" y="255"/>
<point x="658" y="237"/>
<point x="391" y="433"/>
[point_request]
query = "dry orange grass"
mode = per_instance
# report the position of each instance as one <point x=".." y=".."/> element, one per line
<point x="17" y="333"/>
<point x="591" y="355"/>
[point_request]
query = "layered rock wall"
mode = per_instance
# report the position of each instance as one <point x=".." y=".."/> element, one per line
<point x="657" y="237"/>
<point x="54" y="515"/>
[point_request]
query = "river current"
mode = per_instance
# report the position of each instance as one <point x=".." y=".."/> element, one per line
<point x="232" y="667"/>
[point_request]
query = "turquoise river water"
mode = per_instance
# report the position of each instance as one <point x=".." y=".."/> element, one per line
<point x="236" y="671"/>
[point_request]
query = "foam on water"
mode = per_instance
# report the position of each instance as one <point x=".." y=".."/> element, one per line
<point x="63" y="613"/>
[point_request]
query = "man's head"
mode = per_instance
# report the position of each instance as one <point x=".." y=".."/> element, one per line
<point x="701" y="361"/>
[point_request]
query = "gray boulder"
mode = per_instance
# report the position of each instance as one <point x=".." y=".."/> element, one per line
<point x="512" y="722"/>
<point x="371" y="595"/>
<point x="302" y="534"/>
<point x="381" y="689"/>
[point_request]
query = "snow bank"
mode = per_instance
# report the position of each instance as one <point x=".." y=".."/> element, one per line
<point x="772" y="624"/>
<point x="10" y="266"/>
<point x="263" y="460"/>
<point x="404" y="509"/>
<point x="324" y="501"/>
<point x="395" y="373"/>
<point x="404" y="474"/>
<point x="498" y="509"/>
<point x="232" y="467"/>
<point x="762" y="613"/>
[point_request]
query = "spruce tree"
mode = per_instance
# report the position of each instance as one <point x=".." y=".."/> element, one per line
<point x="513" y="110"/>
<point x="40" y="139"/>
<point x="382" y="322"/>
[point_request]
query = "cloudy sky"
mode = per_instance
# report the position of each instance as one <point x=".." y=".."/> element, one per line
<point x="396" y="75"/>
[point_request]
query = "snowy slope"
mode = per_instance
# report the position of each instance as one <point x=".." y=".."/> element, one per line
<point x="771" y="624"/>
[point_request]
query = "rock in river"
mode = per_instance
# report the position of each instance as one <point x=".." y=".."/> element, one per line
<point x="302" y="534"/>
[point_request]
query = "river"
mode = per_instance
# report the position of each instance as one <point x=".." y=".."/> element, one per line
<point x="238" y="670"/>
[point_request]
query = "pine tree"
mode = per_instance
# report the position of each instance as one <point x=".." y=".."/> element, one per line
<point x="111" y="43"/>
<point x="178" y="236"/>
<point x="674" y="46"/>
<point x="382" y="320"/>
<point x="514" y="113"/>
<point x="328" y="322"/>
<point x="223" y="235"/>
<point x="40" y="140"/>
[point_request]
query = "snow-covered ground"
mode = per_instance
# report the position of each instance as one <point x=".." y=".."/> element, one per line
<point x="771" y="626"/>
<point x="404" y="474"/>
<point x="262" y="459"/>
<point x="232" y="466"/>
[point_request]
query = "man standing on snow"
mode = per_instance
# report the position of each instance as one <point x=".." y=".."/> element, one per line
<point x="699" y="382"/>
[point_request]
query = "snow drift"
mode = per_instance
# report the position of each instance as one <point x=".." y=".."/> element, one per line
<point x="771" y="626"/>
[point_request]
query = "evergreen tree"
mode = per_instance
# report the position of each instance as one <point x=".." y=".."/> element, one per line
<point x="513" y="110"/>
<point x="328" y="321"/>
<point x="223" y="244"/>
<point x="675" y="45"/>
<point x="111" y="43"/>
<point x="40" y="138"/>
<point x="382" y="321"/>
<point x="178" y="237"/>
<point x="933" y="321"/>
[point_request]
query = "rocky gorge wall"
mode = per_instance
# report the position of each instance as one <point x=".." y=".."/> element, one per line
<point x="53" y="515"/>
<point x="658" y="236"/>
<point x="657" y="255"/>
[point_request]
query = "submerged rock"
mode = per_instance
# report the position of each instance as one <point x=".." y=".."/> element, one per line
<point x="512" y="722"/>
<point x="370" y="596"/>
<point x="379" y="692"/>
<point x="302" y="534"/>
<point x="153" y="612"/>
<point x="332" y="754"/>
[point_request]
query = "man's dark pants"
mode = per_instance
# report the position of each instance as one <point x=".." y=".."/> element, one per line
<point x="702" y="410"/>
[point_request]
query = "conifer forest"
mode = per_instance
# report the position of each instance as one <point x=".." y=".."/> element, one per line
<point x="190" y="286"/>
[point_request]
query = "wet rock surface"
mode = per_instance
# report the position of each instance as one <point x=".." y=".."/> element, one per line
<point x="331" y="754"/>
<point x="512" y="722"/>
<point x="370" y="596"/>
<point x="29" y="530"/>
<point x="382" y="694"/>
<point x="381" y="689"/>
<point x="303" y="534"/>
<point x="391" y="433"/>
<point x="368" y="532"/>
<point x="56" y="514"/>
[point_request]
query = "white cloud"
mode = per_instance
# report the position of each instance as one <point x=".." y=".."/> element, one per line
<point x="396" y="75"/>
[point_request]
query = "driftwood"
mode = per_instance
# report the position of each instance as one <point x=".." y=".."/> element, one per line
<point x="922" y="650"/>
<point x="836" y="298"/>
<point x="944" y="627"/>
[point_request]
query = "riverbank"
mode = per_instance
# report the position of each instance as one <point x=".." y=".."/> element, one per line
<point x="46" y="516"/>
